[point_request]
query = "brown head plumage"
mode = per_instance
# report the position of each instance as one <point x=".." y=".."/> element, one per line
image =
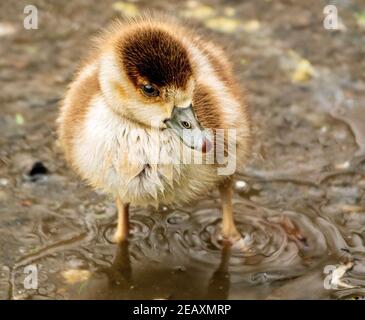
<point x="155" y="56"/>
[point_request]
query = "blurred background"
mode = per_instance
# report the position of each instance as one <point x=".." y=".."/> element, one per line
<point x="300" y="200"/>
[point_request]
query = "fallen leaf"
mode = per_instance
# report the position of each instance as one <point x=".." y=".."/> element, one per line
<point x="251" y="26"/>
<point x="303" y="69"/>
<point x="127" y="9"/>
<point x="223" y="24"/>
<point x="19" y="119"/>
<point x="198" y="11"/>
<point x="300" y="69"/>
<point x="337" y="275"/>
<point x="74" y="276"/>
<point x="349" y="208"/>
<point x="229" y="11"/>
<point x="343" y="165"/>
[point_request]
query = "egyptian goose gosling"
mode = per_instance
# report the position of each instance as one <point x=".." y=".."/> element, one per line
<point x="141" y="106"/>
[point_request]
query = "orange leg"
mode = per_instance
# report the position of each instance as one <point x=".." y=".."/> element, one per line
<point x="122" y="232"/>
<point x="229" y="230"/>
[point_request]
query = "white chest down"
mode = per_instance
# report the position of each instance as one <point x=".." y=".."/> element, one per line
<point x="141" y="166"/>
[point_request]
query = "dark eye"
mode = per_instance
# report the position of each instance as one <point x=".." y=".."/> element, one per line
<point x="186" y="124"/>
<point x="150" y="90"/>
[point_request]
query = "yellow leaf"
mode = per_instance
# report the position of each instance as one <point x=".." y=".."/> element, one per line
<point x="74" y="276"/>
<point x="19" y="119"/>
<point x="127" y="9"/>
<point x="229" y="11"/>
<point x="303" y="71"/>
<point x="222" y="24"/>
<point x="198" y="11"/>
<point x="251" y="26"/>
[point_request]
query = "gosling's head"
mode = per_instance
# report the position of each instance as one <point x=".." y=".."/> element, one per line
<point x="146" y="75"/>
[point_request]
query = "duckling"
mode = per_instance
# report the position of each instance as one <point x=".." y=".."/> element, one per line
<point x="151" y="94"/>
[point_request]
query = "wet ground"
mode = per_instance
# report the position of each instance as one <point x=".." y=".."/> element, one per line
<point x="300" y="200"/>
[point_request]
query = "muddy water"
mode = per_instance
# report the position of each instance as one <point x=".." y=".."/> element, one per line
<point x="299" y="203"/>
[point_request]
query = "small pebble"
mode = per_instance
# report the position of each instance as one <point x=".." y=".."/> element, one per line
<point x="324" y="129"/>
<point x="3" y="182"/>
<point x="342" y="166"/>
<point x="241" y="186"/>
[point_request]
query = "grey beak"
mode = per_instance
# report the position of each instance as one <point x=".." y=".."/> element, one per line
<point x="185" y="125"/>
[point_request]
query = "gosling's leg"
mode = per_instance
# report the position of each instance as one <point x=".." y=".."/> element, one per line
<point x="123" y="222"/>
<point x="229" y="230"/>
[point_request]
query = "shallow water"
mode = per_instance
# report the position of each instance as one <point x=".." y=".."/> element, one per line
<point x="299" y="203"/>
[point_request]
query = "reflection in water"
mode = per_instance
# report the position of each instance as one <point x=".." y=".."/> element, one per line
<point x="120" y="282"/>
<point x="218" y="287"/>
